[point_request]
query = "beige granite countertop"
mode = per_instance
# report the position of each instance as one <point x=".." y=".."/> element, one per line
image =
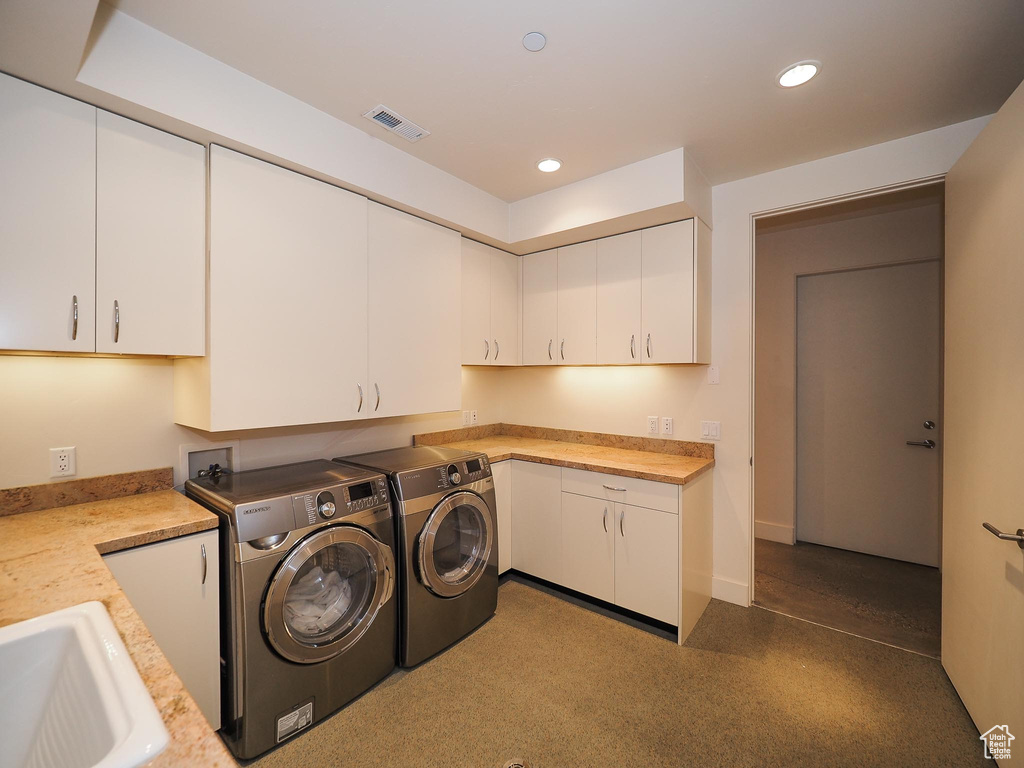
<point x="51" y="559"/>
<point x="582" y="450"/>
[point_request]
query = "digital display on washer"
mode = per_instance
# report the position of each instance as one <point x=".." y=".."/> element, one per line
<point x="473" y="465"/>
<point x="361" y="491"/>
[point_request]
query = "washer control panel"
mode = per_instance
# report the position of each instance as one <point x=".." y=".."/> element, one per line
<point x="462" y="472"/>
<point x="339" y="501"/>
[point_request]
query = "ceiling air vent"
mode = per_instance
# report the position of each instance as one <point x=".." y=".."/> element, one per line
<point x="395" y="123"/>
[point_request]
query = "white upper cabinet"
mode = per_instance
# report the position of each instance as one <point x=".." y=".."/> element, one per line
<point x="490" y="305"/>
<point x="415" y="314"/>
<point x="676" y="293"/>
<point x="618" y="299"/>
<point x="47" y="220"/>
<point x="577" y="304"/>
<point x="150" y="240"/>
<point x="287" y="341"/>
<point x="540" y="308"/>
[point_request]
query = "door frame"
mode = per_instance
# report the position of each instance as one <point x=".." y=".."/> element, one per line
<point x="754" y="217"/>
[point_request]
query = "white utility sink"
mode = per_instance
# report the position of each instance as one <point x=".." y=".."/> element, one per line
<point x="70" y="696"/>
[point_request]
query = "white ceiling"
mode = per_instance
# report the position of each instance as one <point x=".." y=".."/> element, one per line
<point x="618" y="81"/>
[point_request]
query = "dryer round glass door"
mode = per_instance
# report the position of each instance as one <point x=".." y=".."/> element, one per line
<point x="455" y="543"/>
<point x="326" y="593"/>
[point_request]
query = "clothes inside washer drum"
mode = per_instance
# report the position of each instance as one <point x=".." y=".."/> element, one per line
<point x="317" y="602"/>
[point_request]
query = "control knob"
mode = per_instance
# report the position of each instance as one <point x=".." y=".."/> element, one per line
<point x="325" y="505"/>
<point x="453" y="474"/>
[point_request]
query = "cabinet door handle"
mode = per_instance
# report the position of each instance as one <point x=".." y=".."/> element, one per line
<point x="376" y="387"/>
<point x="497" y="350"/>
<point x="622" y="520"/>
<point x="632" y="346"/>
<point x="487" y="349"/>
<point x="202" y="548"/>
<point x="117" y="321"/>
<point x="74" y="317"/>
<point x="360" y="406"/>
<point x="648" y="345"/>
<point x="549" y="349"/>
<point x="605" y="520"/>
<point x="614" y="488"/>
<point x="562" y="350"/>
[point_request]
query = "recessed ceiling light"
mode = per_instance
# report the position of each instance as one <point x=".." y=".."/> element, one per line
<point x="534" y="41"/>
<point x="798" y="73"/>
<point x="549" y="165"/>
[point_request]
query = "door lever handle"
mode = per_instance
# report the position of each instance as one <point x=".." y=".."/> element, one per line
<point x="1018" y="536"/>
<point x="922" y="443"/>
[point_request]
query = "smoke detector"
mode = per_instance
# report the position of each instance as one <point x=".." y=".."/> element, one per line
<point x="395" y="123"/>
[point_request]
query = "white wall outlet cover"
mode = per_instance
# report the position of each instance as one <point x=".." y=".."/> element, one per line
<point x="465" y="418"/>
<point x="652" y="425"/>
<point x="666" y="425"/>
<point x="713" y="376"/>
<point x="472" y="417"/>
<point x="62" y="461"/>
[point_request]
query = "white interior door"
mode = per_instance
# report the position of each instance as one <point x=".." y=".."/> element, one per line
<point x="150" y="240"/>
<point x="540" y="308"/>
<point x="504" y="307"/>
<point x="476" y="304"/>
<point x="983" y="577"/>
<point x="47" y="219"/>
<point x="588" y="546"/>
<point x="868" y="366"/>
<point x="414" y="316"/>
<point x="668" y="292"/>
<point x="618" y="299"/>
<point x="577" y="304"/>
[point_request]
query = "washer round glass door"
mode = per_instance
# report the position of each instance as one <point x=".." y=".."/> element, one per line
<point x="455" y="543"/>
<point x="326" y="593"/>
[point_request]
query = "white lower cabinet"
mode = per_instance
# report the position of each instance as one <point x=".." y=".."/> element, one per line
<point x="647" y="562"/>
<point x="537" y="520"/>
<point x="174" y="587"/>
<point x="502" y="474"/>
<point x="588" y="546"/>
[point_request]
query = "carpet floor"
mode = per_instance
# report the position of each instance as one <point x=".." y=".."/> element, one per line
<point x="561" y="686"/>
<point x="886" y="600"/>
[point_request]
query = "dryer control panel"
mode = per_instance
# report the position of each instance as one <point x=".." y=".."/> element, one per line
<point x="462" y="472"/>
<point x="339" y="501"/>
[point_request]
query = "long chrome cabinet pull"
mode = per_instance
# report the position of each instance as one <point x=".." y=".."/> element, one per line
<point x="117" y="321"/>
<point x="487" y="349"/>
<point x="202" y="548"/>
<point x="360" y="406"/>
<point x="562" y="350"/>
<point x="614" y="488"/>
<point x="74" y="317"/>
<point x="632" y="346"/>
<point x="497" y="350"/>
<point x="923" y="443"/>
<point x="648" y="345"/>
<point x="376" y="387"/>
<point x="605" y="520"/>
<point x="549" y="349"/>
<point x="622" y="520"/>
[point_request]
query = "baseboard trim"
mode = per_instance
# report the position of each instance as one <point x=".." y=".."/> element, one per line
<point x="730" y="591"/>
<point x="773" y="532"/>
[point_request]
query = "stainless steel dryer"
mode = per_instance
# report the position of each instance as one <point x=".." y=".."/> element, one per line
<point x="308" y="618"/>
<point x="446" y="543"/>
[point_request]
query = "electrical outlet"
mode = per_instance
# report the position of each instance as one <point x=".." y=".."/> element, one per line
<point x="652" y="425"/>
<point x="713" y="376"/>
<point x="666" y="425"/>
<point x="465" y="418"/>
<point x="472" y="417"/>
<point x="62" y="461"/>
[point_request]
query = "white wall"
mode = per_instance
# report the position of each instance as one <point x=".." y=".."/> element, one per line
<point x="118" y="413"/>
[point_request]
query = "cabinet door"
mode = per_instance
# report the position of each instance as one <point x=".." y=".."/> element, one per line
<point x="47" y="220"/>
<point x="287" y="297"/>
<point x="537" y="520"/>
<point x="502" y="473"/>
<point x="415" y="315"/>
<point x="540" y="308"/>
<point x="476" y="304"/>
<point x="150" y="240"/>
<point x="588" y="546"/>
<point x="647" y="562"/>
<point x="668" y="293"/>
<point x="174" y="587"/>
<point x="504" y="308"/>
<point x="618" y="299"/>
<point x="577" y="304"/>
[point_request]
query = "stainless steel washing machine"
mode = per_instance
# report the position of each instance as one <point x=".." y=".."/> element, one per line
<point x="446" y="543"/>
<point x="309" y="616"/>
